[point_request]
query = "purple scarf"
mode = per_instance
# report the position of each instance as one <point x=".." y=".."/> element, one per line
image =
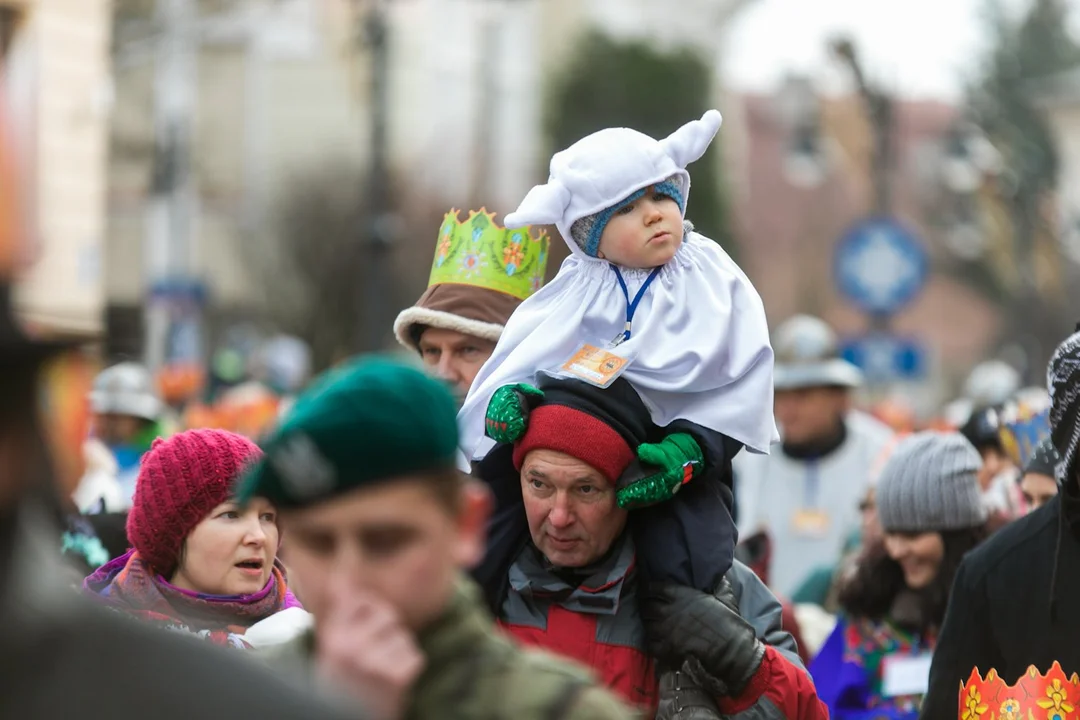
<point x="128" y="584"/>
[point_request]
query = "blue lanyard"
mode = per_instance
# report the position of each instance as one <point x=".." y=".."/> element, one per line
<point x="631" y="306"/>
<point x="811" y="486"/>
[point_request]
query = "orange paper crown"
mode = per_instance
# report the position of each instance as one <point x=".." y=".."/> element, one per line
<point x="1052" y="696"/>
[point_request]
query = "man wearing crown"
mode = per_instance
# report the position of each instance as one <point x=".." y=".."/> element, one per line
<point x="1013" y="611"/>
<point x="480" y="274"/>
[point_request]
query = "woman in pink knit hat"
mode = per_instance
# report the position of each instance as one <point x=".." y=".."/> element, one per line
<point x="200" y="562"/>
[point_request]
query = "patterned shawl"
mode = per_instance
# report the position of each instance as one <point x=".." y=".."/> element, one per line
<point x="129" y="585"/>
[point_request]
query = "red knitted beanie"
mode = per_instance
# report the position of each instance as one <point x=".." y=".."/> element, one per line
<point x="578" y="434"/>
<point x="181" y="480"/>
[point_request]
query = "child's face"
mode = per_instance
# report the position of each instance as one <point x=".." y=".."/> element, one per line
<point x="644" y="234"/>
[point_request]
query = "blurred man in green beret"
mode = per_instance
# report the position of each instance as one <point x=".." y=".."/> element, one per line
<point x="380" y="528"/>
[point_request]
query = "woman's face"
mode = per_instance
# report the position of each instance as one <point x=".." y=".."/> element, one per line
<point x="919" y="555"/>
<point x="871" y="526"/>
<point x="231" y="552"/>
<point x="1038" y="489"/>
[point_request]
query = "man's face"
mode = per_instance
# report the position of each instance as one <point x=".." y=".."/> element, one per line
<point x="868" y="520"/>
<point x="118" y="429"/>
<point x="571" y="509"/>
<point x="809" y="414"/>
<point x="399" y="540"/>
<point x="454" y="356"/>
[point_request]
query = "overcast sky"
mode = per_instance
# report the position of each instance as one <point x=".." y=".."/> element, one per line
<point x="921" y="48"/>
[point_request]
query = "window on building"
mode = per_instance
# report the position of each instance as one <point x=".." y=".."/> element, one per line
<point x="123" y="330"/>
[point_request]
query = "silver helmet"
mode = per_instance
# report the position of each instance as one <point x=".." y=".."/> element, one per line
<point x="808" y="355"/>
<point x="125" y="389"/>
<point x="991" y="384"/>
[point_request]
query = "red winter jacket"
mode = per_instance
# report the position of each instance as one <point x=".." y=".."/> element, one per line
<point x="597" y="624"/>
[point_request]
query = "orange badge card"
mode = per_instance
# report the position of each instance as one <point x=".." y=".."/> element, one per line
<point x="810" y="522"/>
<point x="595" y="365"/>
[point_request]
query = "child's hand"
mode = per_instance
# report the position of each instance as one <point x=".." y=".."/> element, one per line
<point x="677" y="460"/>
<point x="508" y="412"/>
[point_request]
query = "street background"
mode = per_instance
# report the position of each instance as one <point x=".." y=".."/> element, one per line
<point x="231" y="190"/>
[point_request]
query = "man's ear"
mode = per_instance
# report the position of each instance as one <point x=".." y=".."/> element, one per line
<point x="472" y="521"/>
<point x="14" y="464"/>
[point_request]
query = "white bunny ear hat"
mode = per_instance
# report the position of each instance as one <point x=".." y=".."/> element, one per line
<point x="700" y="343"/>
<point x="602" y="169"/>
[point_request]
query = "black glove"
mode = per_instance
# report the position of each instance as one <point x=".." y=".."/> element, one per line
<point x="689" y="694"/>
<point x="682" y="622"/>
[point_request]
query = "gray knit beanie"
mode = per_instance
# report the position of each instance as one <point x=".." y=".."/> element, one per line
<point x="929" y="485"/>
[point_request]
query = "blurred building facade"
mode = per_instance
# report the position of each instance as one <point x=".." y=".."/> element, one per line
<point x="274" y="88"/>
<point x="1060" y="99"/>
<point x="57" y="93"/>
<point x="284" y="85"/>
<point x="806" y="179"/>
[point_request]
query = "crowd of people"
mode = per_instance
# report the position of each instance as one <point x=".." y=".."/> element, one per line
<point x="613" y="495"/>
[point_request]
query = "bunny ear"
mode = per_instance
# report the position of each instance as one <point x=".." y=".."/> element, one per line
<point x="544" y="205"/>
<point x="690" y="142"/>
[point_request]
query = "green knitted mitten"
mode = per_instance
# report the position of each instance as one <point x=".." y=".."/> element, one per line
<point x="508" y="412"/>
<point x="678" y="458"/>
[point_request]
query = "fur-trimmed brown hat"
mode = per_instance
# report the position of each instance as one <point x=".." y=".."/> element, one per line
<point x="480" y="274"/>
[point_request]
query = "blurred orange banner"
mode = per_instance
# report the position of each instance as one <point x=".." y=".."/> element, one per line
<point x="65" y="412"/>
<point x="11" y="221"/>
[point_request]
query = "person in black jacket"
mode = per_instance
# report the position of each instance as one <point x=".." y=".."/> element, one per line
<point x="1013" y="605"/>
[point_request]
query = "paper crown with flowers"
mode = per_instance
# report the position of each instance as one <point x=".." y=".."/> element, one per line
<point x="478" y="251"/>
<point x="1053" y="696"/>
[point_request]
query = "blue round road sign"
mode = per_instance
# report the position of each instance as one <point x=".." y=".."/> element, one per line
<point x="880" y="266"/>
